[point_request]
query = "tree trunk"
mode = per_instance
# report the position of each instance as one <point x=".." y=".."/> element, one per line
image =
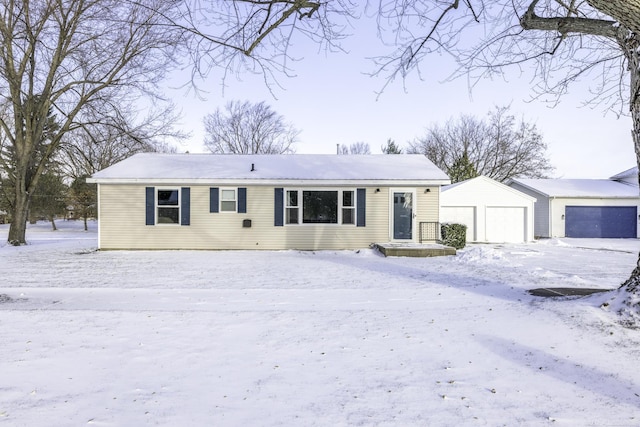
<point x="627" y="301"/>
<point x="25" y="183"/>
<point x="85" y="223"/>
<point x="53" y="223"/>
<point x="626" y="12"/>
<point x="19" y="218"/>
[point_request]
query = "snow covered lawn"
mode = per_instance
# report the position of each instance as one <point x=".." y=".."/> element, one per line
<point x="185" y="338"/>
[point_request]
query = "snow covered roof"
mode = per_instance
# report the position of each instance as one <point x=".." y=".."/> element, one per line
<point x="261" y="169"/>
<point x="467" y="181"/>
<point x="576" y="188"/>
<point x="480" y="180"/>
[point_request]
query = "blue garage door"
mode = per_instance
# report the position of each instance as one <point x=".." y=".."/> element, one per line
<point x="601" y="221"/>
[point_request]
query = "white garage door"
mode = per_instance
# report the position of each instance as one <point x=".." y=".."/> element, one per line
<point x="461" y="215"/>
<point x="505" y="224"/>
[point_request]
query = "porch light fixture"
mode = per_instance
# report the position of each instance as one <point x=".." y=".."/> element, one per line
<point x="378" y="190"/>
<point x="428" y="190"/>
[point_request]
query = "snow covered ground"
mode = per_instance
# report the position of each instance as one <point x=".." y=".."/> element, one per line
<point x="185" y="338"/>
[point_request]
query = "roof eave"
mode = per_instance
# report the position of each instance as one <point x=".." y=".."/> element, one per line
<point x="601" y="196"/>
<point x="272" y="182"/>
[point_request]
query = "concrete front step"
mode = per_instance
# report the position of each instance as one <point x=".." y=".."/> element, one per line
<point x="414" y="249"/>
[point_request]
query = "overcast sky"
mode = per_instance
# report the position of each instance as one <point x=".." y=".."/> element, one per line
<point x="333" y="101"/>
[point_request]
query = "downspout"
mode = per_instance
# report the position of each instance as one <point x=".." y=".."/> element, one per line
<point x="98" y="215"/>
<point x="550" y="222"/>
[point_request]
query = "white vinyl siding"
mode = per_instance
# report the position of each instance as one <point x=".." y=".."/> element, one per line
<point x="122" y="223"/>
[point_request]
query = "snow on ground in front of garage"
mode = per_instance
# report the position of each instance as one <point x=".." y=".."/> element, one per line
<point x="228" y="338"/>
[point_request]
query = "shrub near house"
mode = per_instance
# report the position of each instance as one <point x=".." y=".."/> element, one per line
<point x="454" y="235"/>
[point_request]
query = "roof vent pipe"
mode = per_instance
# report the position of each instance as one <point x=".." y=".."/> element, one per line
<point x="253" y="167"/>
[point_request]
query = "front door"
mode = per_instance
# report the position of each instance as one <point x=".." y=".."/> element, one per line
<point x="403" y="215"/>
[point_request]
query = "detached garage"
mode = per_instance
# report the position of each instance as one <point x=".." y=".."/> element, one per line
<point x="583" y="208"/>
<point x="492" y="212"/>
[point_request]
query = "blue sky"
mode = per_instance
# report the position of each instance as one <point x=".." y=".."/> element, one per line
<point x="333" y="101"/>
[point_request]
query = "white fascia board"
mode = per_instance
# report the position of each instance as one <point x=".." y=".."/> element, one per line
<point x="270" y="183"/>
<point x="528" y="187"/>
<point x="597" y="197"/>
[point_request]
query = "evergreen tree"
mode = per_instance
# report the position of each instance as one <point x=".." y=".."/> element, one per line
<point x="462" y="169"/>
<point x="83" y="196"/>
<point x="391" y="148"/>
<point x="49" y="199"/>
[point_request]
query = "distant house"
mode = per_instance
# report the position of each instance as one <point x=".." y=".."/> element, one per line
<point x="606" y="208"/>
<point x="492" y="212"/>
<point x="191" y="201"/>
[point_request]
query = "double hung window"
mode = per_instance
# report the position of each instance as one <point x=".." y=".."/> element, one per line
<point x="292" y="207"/>
<point x="228" y="200"/>
<point x="168" y="206"/>
<point x="348" y="207"/>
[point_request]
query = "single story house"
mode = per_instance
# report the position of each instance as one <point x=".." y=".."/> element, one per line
<point x="597" y="208"/>
<point x="207" y="201"/>
<point x="492" y="212"/>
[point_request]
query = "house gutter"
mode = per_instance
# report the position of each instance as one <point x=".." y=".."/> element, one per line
<point x="270" y="182"/>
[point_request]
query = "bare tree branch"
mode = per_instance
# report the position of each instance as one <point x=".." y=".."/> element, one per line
<point x="500" y="147"/>
<point x="246" y="128"/>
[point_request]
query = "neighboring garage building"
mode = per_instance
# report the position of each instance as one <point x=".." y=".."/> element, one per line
<point x="492" y="212"/>
<point x="591" y="208"/>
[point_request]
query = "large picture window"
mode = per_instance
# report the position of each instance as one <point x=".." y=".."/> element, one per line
<point x="168" y="206"/>
<point x="320" y="207"/>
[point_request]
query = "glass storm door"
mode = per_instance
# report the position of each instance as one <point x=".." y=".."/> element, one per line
<point x="403" y="215"/>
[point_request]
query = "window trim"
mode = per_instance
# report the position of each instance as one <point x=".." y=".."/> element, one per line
<point x="157" y="206"/>
<point x="221" y="199"/>
<point x="300" y="206"/>
<point x="287" y="206"/>
<point x="352" y="208"/>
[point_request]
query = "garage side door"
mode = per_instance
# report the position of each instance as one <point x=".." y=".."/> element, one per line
<point x="461" y="215"/>
<point x="505" y="224"/>
<point x="601" y="221"/>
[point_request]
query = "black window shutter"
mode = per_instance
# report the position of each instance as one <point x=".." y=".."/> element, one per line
<point x="361" y="207"/>
<point x="150" y="205"/>
<point x="278" y="207"/>
<point x="213" y="200"/>
<point x="242" y="200"/>
<point x="185" y="206"/>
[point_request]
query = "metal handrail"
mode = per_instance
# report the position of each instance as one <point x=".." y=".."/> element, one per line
<point x="429" y="232"/>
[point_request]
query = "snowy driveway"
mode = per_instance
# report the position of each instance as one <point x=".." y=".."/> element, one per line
<point x="304" y="338"/>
